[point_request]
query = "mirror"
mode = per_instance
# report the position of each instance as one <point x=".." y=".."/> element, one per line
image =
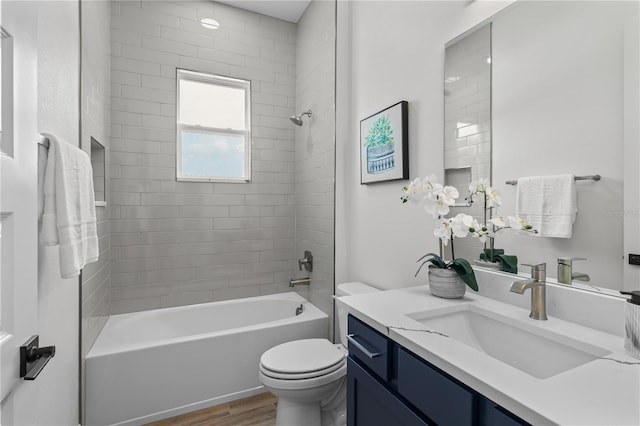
<point x="561" y="79"/>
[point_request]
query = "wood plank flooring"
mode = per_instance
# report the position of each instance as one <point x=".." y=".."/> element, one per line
<point x="258" y="410"/>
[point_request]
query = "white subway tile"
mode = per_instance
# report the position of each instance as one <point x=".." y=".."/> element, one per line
<point x="134" y="305"/>
<point x="133" y="11"/>
<point x="181" y="9"/>
<point x="235" y="293"/>
<point x="149" y="95"/>
<point x="125" y="118"/>
<point x="183" y="299"/>
<point x="132" y="105"/>
<point x="134" y="26"/>
<point x="187" y="38"/>
<point x="134" y="66"/>
<point x="124" y="37"/>
<point x="161" y="135"/>
<point x="158" y="122"/>
<point x="220" y="56"/>
<point x="168" y="46"/>
<point x="149" y="55"/>
<point x="236" y="47"/>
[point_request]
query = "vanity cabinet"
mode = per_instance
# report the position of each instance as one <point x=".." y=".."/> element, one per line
<point x="389" y="385"/>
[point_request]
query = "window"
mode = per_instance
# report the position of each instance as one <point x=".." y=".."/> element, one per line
<point x="213" y="128"/>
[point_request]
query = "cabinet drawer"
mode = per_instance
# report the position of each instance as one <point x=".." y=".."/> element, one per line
<point x="491" y="414"/>
<point x="441" y="398"/>
<point x="371" y="404"/>
<point x="369" y="347"/>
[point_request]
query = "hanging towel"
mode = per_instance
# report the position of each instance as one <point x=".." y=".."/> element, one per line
<point x="548" y="203"/>
<point x="69" y="216"/>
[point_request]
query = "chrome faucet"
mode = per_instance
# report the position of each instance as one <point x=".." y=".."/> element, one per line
<point x="538" y="290"/>
<point x="565" y="273"/>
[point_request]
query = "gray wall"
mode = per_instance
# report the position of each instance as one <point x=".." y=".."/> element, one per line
<point x="177" y="243"/>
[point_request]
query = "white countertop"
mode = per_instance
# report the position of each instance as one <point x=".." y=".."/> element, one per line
<point x="605" y="391"/>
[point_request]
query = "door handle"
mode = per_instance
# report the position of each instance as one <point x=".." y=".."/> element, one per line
<point x="33" y="358"/>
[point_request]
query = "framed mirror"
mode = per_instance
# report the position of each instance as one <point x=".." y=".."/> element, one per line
<point x="562" y="87"/>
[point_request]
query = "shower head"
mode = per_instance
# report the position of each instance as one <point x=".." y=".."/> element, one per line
<point x="297" y="119"/>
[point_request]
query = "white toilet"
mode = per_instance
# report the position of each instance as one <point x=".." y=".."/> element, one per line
<point x="309" y="376"/>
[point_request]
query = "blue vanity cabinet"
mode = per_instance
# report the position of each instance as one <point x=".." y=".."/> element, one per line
<point x="388" y="385"/>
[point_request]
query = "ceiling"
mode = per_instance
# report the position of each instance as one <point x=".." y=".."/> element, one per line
<point x="288" y="10"/>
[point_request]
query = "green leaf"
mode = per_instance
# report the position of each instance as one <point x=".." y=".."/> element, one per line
<point x="432" y="258"/>
<point x="508" y="263"/>
<point x="465" y="272"/>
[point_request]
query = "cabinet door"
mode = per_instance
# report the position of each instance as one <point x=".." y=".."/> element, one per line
<point x="369" y="403"/>
<point x="438" y="396"/>
<point x="491" y="414"/>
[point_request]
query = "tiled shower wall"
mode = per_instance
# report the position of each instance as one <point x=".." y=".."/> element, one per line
<point x="176" y="243"/>
<point x="315" y="150"/>
<point x="95" y="111"/>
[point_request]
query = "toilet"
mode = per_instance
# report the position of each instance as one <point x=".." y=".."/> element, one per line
<point x="309" y="376"/>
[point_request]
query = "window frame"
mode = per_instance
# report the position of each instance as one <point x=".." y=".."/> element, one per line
<point x="182" y="74"/>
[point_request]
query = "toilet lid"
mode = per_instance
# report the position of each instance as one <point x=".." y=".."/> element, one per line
<point x="302" y="356"/>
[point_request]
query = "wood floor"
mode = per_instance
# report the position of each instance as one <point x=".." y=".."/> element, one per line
<point x="258" y="410"/>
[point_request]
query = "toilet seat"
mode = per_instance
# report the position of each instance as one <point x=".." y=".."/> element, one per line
<point x="302" y="360"/>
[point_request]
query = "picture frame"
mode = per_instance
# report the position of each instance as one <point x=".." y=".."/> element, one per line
<point x="384" y="145"/>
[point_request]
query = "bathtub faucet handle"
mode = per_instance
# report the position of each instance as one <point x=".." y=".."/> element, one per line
<point x="306" y="261"/>
<point x="299" y="309"/>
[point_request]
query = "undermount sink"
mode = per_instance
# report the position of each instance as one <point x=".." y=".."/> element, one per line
<point x="532" y="350"/>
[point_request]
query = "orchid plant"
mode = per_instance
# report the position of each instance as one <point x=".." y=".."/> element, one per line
<point x="491" y="198"/>
<point x="437" y="201"/>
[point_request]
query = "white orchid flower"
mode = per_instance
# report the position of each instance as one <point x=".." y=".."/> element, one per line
<point x="449" y="195"/>
<point x="499" y="222"/>
<point x="436" y="207"/>
<point x="443" y="231"/>
<point x="493" y="197"/>
<point x="461" y="224"/>
<point x="516" y="222"/>
<point x="430" y="182"/>
<point x="413" y="190"/>
<point x="479" y="185"/>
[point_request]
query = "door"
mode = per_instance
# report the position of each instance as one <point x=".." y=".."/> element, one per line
<point x="18" y="195"/>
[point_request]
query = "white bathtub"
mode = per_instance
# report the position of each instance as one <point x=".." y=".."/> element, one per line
<point x="149" y="365"/>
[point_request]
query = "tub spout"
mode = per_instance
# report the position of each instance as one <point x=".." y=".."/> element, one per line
<point x="300" y="281"/>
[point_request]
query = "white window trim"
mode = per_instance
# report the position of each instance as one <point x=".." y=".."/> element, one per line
<point x="182" y="74"/>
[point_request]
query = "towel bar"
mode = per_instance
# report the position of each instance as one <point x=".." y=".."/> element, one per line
<point x="589" y="177"/>
<point x="44" y="142"/>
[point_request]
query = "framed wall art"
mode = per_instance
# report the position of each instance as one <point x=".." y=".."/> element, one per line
<point x="384" y="145"/>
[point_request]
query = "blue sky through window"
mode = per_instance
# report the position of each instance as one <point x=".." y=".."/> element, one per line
<point x="206" y="154"/>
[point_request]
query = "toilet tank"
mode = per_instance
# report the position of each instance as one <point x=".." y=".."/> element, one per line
<point x="348" y="289"/>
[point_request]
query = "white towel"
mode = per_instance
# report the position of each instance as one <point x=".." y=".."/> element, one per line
<point x="69" y="217"/>
<point x="548" y="203"/>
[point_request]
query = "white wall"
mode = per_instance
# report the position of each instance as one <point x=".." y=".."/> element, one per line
<point x="176" y="243"/>
<point x="315" y="151"/>
<point x="396" y="53"/>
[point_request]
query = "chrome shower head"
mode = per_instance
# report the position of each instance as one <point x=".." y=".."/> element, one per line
<point x="297" y="119"/>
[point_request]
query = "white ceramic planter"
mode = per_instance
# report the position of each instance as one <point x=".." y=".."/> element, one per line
<point x="446" y="283"/>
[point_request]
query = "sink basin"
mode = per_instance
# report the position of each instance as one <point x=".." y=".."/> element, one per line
<point x="532" y="350"/>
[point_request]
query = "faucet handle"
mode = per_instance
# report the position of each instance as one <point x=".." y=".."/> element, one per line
<point x="539" y="267"/>
<point x="568" y="260"/>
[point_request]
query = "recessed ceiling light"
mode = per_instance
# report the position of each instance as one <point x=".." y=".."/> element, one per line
<point x="210" y="24"/>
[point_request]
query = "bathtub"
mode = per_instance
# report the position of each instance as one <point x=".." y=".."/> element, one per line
<point x="150" y="365"/>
